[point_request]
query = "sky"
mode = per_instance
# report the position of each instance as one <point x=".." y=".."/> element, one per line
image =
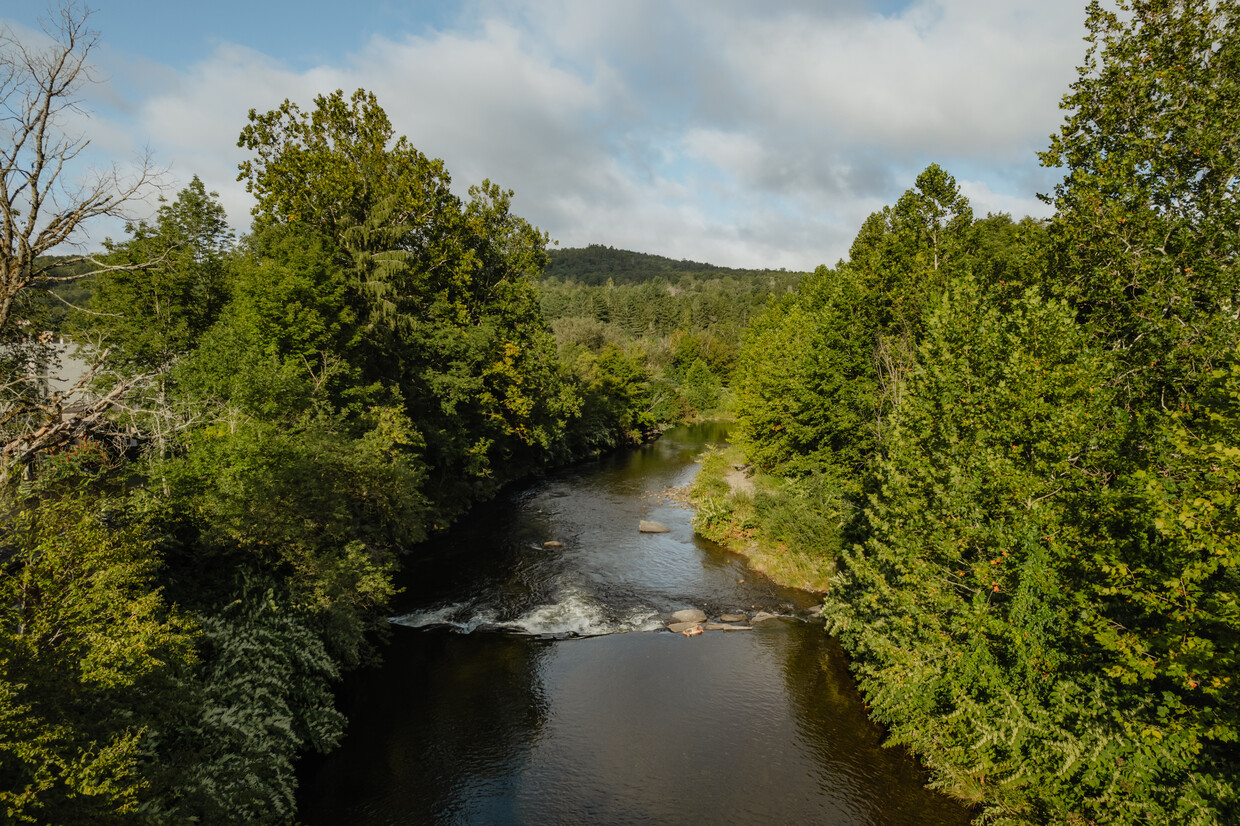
<point x="738" y="133"/>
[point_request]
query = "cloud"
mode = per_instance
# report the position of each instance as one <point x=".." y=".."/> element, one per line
<point x="707" y="129"/>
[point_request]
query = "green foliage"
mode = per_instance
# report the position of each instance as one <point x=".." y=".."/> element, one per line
<point x="618" y="401"/>
<point x="905" y="253"/>
<point x="698" y="318"/>
<point x="789" y="529"/>
<point x="1180" y="580"/>
<point x="262" y="695"/>
<point x="956" y="600"/>
<point x="1144" y="237"/>
<point x="701" y="387"/>
<point x="1039" y="587"/>
<point x="175" y="285"/>
<point x="89" y="658"/>
<point x="806" y="379"/>
<point x="363" y="366"/>
<point x="442" y="290"/>
<point x="321" y="509"/>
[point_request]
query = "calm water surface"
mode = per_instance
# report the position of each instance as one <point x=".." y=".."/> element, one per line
<point x="533" y="686"/>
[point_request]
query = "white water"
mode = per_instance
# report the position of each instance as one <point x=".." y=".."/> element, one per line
<point x="575" y="614"/>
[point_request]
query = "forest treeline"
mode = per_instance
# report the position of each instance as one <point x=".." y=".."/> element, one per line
<point x="198" y="543"/>
<point x="594" y="265"/>
<point x="1018" y="440"/>
<point x="682" y="336"/>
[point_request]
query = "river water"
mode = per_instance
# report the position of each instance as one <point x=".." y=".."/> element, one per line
<point x="531" y="686"/>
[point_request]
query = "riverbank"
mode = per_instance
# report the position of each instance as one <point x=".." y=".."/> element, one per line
<point x="788" y="531"/>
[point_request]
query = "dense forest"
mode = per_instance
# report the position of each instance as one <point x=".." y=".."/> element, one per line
<point x="681" y="336"/>
<point x="595" y="265"/>
<point x="1018" y="443"/>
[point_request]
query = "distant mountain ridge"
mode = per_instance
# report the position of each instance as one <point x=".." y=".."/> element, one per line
<point x="595" y="264"/>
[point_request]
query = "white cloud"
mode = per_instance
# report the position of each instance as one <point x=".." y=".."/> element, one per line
<point x="722" y="131"/>
<point x="983" y="199"/>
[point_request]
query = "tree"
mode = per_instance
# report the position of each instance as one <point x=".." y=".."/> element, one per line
<point x="1144" y="236"/>
<point x="806" y="382"/>
<point x="442" y="288"/>
<point x="42" y="208"/>
<point x="149" y="318"/>
<point x="908" y="252"/>
<point x="90" y="655"/>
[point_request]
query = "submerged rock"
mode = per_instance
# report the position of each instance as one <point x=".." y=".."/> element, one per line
<point x="689" y="615"/>
<point x="723" y="626"/>
<point x="646" y="526"/>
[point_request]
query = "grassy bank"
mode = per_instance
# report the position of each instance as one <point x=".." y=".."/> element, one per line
<point x="788" y="530"/>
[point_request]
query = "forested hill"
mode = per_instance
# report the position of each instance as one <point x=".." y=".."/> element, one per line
<point x="595" y="264"/>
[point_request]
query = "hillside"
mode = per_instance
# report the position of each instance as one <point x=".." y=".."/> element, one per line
<point x="594" y="264"/>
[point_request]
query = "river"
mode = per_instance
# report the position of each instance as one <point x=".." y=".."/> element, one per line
<point x="525" y="685"/>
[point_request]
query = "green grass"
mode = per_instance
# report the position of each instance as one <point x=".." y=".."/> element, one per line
<point x="788" y="529"/>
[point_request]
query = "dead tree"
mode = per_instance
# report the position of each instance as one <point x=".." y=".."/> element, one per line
<point x="47" y="196"/>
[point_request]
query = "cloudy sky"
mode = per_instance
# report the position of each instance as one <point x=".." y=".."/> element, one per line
<point x="741" y="133"/>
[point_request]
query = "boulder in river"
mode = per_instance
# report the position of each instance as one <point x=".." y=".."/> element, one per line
<point x="762" y="616"/>
<point x="552" y="545"/>
<point x="733" y="618"/>
<point x="689" y="615"/>
<point x="724" y="626"/>
<point x="682" y="627"/>
<point x="647" y="526"/>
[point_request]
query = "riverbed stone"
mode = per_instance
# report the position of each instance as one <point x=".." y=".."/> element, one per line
<point x="647" y="526"/>
<point x="681" y="627"/>
<point x="552" y="545"/>
<point x="733" y="618"/>
<point x="689" y="615"/>
<point x="724" y="626"/>
<point x="762" y="616"/>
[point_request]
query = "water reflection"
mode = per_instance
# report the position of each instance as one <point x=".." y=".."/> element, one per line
<point x="439" y="735"/>
<point x="500" y="726"/>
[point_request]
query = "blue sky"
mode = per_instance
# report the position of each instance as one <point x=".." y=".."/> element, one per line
<point x="727" y="131"/>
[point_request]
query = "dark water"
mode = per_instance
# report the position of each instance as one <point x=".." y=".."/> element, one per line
<point x="530" y="686"/>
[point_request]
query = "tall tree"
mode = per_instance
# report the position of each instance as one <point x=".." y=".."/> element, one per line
<point x="1145" y="234"/>
<point x="443" y="288"/>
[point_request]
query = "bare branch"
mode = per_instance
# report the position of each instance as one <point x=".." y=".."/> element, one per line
<point x="66" y="428"/>
<point x="39" y="208"/>
<point x="45" y="201"/>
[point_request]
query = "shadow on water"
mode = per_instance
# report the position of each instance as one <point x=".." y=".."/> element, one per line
<point x="529" y="685"/>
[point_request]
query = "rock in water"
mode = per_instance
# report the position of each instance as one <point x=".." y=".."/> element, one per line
<point x="733" y="618"/>
<point x="647" y="526"/>
<point x="762" y="616"/>
<point x="723" y="626"/>
<point x="692" y="632"/>
<point x="553" y="545"/>
<point x="689" y="615"/>
<point x="681" y="627"/>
